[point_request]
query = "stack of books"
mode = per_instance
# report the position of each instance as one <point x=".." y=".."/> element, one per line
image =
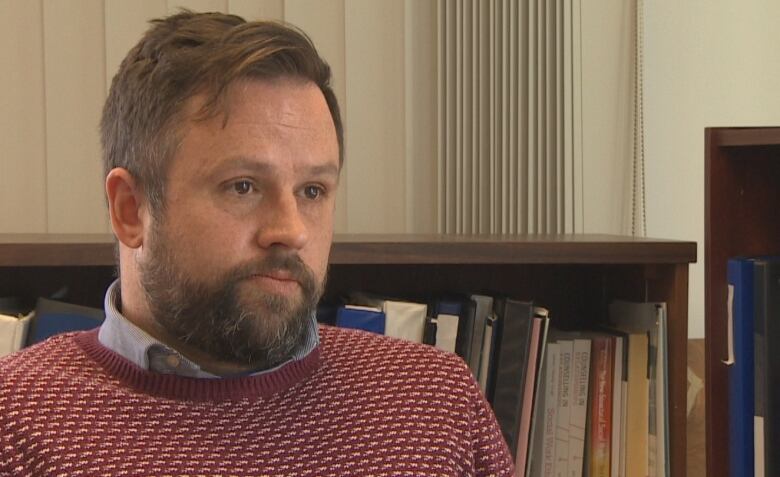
<point x="569" y="402"/>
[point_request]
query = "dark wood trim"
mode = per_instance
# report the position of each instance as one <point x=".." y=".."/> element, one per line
<point x="79" y="250"/>
<point x="757" y="136"/>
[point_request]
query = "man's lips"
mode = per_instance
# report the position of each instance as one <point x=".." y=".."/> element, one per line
<point x="278" y="281"/>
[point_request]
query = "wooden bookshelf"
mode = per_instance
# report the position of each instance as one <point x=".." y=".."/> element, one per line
<point x="574" y="276"/>
<point x="742" y="195"/>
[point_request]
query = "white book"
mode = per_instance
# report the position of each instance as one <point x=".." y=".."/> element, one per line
<point x="364" y="308"/>
<point x="487" y="351"/>
<point x="578" y="413"/>
<point x="446" y="331"/>
<point x="662" y="396"/>
<point x="758" y="446"/>
<point x="405" y="320"/>
<point x="564" y="407"/>
<point x="617" y="409"/>
<point x="13" y="332"/>
<point x="550" y="410"/>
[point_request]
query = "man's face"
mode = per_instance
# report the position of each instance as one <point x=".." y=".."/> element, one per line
<point x="237" y="263"/>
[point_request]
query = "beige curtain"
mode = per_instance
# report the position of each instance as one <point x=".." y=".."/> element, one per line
<point x="509" y="124"/>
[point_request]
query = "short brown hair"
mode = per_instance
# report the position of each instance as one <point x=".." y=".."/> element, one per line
<point x="188" y="54"/>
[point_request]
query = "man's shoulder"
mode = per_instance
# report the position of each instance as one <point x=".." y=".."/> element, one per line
<point x="48" y="356"/>
<point x="357" y="348"/>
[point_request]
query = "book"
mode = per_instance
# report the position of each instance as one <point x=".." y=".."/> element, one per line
<point x="52" y="317"/>
<point x="364" y="318"/>
<point x="600" y="407"/>
<point x="405" y="320"/>
<point x="766" y="330"/>
<point x="638" y="406"/>
<point x="619" y="386"/>
<point x="550" y="406"/>
<point x="534" y="362"/>
<point x="535" y="460"/>
<point x="564" y="408"/>
<point x="579" y="405"/>
<point x="487" y="357"/>
<point x="464" y="338"/>
<point x="484" y="307"/>
<point x="447" y="315"/>
<point x="13" y="332"/>
<point x="661" y="386"/>
<point x="512" y="352"/>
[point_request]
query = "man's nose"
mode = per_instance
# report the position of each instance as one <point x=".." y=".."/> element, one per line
<point x="283" y="224"/>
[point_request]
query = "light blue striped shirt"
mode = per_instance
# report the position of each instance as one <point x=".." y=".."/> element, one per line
<point x="120" y="335"/>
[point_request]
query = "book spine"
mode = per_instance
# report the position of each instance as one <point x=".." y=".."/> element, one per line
<point x="484" y="305"/>
<point x="638" y="405"/>
<point x="759" y="372"/>
<point x="579" y="406"/>
<point x="767" y="394"/>
<point x="550" y="410"/>
<point x="601" y="407"/>
<point x="511" y="369"/>
<point x="486" y="355"/>
<point x="564" y="409"/>
<point x="652" y="410"/>
<point x="617" y="398"/>
<point x="532" y="466"/>
<point x="662" y="385"/>
<point x="529" y="390"/>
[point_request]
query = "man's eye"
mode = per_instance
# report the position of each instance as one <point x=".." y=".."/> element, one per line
<point x="243" y="187"/>
<point x="313" y="192"/>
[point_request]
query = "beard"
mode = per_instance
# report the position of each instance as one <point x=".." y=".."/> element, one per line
<point x="224" y="316"/>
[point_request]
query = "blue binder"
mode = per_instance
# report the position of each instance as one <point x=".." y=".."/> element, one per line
<point x="741" y="379"/>
<point x="361" y="319"/>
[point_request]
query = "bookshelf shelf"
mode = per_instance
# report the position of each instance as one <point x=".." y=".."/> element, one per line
<point x="742" y="173"/>
<point x="574" y="276"/>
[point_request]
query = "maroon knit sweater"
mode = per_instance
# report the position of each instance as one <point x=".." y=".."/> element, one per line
<point x="359" y="404"/>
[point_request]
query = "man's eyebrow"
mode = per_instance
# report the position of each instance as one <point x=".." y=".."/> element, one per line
<point x="325" y="169"/>
<point x="261" y="166"/>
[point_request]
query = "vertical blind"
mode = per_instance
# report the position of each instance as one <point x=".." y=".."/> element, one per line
<point x="509" y="124"/>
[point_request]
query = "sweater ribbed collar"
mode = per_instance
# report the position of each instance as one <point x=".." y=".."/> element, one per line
<point x="198" y="389"/>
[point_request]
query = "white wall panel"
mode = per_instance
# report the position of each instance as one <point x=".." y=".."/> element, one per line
<point x="376" y="195"/>
<point x="22" y="118"/>
<point x="257" y="9"/>
<point x="607" y="62"/>
<point x="75" y="90"/>
<point x="197" y="5"/>
<point x="420" y="119"/>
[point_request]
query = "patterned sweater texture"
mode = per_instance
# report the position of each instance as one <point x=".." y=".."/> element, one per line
<point x="359" y="404"/>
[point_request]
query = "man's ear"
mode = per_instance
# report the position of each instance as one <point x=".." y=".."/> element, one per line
<point x="127" y="207"/>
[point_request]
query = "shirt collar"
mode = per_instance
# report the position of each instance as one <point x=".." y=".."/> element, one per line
<point x="120" y="335"/>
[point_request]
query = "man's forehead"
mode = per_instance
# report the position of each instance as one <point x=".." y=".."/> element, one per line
<point x="275" y="99"/>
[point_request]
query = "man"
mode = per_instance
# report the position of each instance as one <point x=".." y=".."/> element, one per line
<point x="222" y="148"/>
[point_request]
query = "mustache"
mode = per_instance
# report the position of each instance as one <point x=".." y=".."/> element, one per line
<point x="290" y="263"/>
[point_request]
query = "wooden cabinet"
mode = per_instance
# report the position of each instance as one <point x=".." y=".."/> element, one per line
<point x="742" y="199"/>
<point x="574" y="276"/>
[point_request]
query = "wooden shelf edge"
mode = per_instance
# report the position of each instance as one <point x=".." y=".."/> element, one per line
<point x="757" y="136"/>
<point x="98" y="250"/>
